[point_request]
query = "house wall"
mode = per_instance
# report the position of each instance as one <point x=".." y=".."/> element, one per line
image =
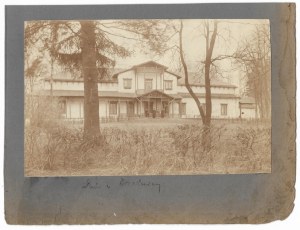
<point x="103" y="108"/>
<point x="148" y="73"/>
<point x="127" y="75"/>
<point x="170" y="77"/>
<point x="156" y="80"/>
<point x="75" y="109"/>
<point x="232" y="107"/>
<point x="175" y="108"/>
<point x="248" y="113"/>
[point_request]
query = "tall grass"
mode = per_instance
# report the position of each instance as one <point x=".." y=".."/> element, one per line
<point x="60" y="150"/>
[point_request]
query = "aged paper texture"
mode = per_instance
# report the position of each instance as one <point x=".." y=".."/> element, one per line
<point x="259" y="196"/>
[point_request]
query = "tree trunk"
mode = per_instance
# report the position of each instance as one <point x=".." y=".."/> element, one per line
<point x="89" y="73"/>
<point x="186" y="76"/>
<point x="210" y="43"/>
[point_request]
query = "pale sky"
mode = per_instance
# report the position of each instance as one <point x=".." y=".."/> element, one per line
<point x="231" y="33"/>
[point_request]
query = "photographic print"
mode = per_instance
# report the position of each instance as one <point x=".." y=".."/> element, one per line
<point x="147" y="97"/>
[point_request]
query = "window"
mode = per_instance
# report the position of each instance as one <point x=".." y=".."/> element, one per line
<point x="113" y="107"/>
<point x="224" y="109"/>
<point x="127" y="83"/>
<point x="168" y="85"/>
<point x="63" y="106"/>
<point x="148" y="84"/>
<point x="183" y="108"/>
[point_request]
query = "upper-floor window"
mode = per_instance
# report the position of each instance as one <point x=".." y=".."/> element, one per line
<point x="168" y="85"/>
<point x="127" y="83"/>
<point x="148" y="84"/>
<point x="224" y="109"/>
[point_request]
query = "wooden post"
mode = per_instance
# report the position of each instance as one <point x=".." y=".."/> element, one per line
<point x="148" y="105"/>
<point x="118" y="109"/>
<point x="106" y="110"/>
<point x="127" y="109"/>
<point x="172" y="109"/>
<point x="179" y="105"/>
<point x="161" y="107"/>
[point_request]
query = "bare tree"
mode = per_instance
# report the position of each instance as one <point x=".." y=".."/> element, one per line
<point x="210" y="39"/>
<point x="254" y="55"/>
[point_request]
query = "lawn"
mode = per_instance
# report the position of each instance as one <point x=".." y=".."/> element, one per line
<point x="149" y="147"/>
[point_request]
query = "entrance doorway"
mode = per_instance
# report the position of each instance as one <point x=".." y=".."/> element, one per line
<point x="148" y="108"/>
<point x="130" y="109"/>
<point x="165" y="108"/>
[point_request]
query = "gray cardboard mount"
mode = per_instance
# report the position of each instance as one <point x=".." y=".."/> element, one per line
<point x="252" y="198"/>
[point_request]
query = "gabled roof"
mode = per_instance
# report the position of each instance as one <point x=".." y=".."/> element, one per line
<point x="146" y="64"/>
<point x="145" y="93"/>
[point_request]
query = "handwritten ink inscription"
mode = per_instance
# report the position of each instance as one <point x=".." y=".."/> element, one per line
<point x="89" y="184"/>
<point x="139" y="182"/>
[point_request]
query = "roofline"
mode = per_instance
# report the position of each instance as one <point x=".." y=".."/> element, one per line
<point x="187" y="95"/>
<point x="178" y="76"/>
<point x="155" y="90"/>
<point x="123" y="71"/>
<point x="212" y="85"/>
<point x="78" y="80"/>
<point x="135" y="66"/>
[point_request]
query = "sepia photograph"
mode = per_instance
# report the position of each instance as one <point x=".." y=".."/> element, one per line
<point x="147" y="97"/>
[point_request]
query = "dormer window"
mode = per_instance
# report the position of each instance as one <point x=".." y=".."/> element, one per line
<point x="148" y="84"/>
<point x="127" y="83"/>
<point x="168" y="85"/>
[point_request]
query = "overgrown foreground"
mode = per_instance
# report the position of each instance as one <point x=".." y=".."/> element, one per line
<point x="59" y="150"/>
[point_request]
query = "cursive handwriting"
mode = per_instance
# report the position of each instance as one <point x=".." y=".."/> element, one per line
<point x="139" y="182"/>
<point x="94" y="185"/>
<point x="89" y="184"/>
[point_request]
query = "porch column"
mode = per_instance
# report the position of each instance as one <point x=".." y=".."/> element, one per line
<point x="180" y="108"/>
<point x="161" y="108"/>
<point x="172" y="109"/>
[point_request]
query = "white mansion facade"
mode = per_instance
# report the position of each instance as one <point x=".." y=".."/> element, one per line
<point x="148" y="90"/>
